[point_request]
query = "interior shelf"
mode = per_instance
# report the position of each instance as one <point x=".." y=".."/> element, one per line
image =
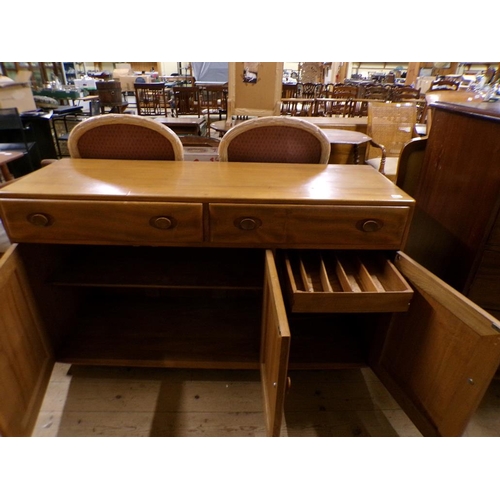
<point x="150" y="267"/>
<point x="214" y="330"/>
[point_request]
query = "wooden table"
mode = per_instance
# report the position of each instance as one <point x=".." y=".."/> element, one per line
<point x="357" y="124"/>
<point x="347" y="137"/>
<point x="183" y="125"/>
<point x="175" y="265"/>
<point x="7" y="157"/>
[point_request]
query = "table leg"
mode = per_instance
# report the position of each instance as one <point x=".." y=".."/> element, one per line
<point x="356" y="154"/>
<point x="7" y="176"/>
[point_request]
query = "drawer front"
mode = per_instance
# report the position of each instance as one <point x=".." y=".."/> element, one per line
<point x="349" y="227"/>
<point x="348" y="282"/>
<point x="42" y="221"/>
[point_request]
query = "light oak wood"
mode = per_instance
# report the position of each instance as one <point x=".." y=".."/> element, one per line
<point x="203" y="320"/>
<point x="22" y="385"/>
<point x="439" y="359"/>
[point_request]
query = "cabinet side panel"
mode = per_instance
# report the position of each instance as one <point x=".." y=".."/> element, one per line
<point x="25" y="358"/>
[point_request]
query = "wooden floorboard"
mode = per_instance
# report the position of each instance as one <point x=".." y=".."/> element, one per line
<point x="101" y="401"/>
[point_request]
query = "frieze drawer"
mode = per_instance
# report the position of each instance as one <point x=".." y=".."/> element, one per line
<point x="329" y="282"/>
<point x="55" y="221"/>
<point x="348" y="227"/>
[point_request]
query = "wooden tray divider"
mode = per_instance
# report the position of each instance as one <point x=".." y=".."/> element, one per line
<point x="370" y="282"/>
<point x="323" y="274"/>
<point x="347" y="284"/>
<point x="306" y="277"/>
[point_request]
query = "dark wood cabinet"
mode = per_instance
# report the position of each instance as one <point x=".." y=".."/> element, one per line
<point x="455" y="232"/>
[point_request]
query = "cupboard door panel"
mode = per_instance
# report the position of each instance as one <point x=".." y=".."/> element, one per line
<point x="275" y="348"/>
<point x="438" y="358"/>
<point x="25" y="358"/>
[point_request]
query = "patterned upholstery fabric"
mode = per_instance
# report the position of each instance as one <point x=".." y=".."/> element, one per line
<point x="125" y="142"/>
<point x="275" y="145"/>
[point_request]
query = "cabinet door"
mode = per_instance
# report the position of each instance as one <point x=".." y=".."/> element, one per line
<point x="438" y="358"/>
<point x="275" y="348"/>
<point x="26" y="361"/>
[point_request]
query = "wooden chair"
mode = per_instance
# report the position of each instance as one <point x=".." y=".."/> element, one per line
<point x="275" y="139"/>
<point x="443" y="83"/>
<point x="213" y="100"/>
<point x="410" y="165"/>
<point x="390" y="126"/>
<point x="337" y="101"/>
<point x="186" y="101"/>
<point x="288" y="90"/>
<point x="297" y="106"/>
<point x="404" y="93"/>
<point x="308" y="90"/>
<point x="151" y="98"/>
<point x="372" y="92"/>
<point x="124" y="137"/>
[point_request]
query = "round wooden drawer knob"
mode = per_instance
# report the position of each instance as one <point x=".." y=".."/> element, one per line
<point x="370" y="226"/>
<point x="42" y="220"/>
<point x="248" y="223"/>
<point x="163" y="222"/>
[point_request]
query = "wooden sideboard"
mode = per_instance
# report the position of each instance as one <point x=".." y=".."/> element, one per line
<point x="456" y="228"/>
<point x="269" y="267"/>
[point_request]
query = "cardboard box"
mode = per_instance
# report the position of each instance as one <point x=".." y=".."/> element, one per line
<point x="17" y="95"/>
<point x="193" y="153"/>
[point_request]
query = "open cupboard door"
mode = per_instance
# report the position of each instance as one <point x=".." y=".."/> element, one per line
<point x="275" y="348"/>
<point x="438" y="358"/>
<point x="26" y="362"/>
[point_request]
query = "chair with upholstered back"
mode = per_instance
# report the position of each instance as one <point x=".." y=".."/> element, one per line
<point x="391" y="126"/>
<point x="124" y="137"/>
<point x="275" y="139"/>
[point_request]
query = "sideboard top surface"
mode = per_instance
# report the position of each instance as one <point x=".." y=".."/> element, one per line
<point x="128" y="180"/>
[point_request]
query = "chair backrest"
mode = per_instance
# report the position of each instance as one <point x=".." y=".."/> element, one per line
<point x="150" y="98"/>
<point x="288" y="90"/>
<point x="308" y="90"/>
<point x="443" y="83"/>
<point x="410" y="165"/>
<point x="297" y="106"/>
<point x="187" y="101"/>
<point x="275" y="139"/>
<point x="124" y="137"/>
<point x="391" y="125"/>
<point x="334" y="106"/>
<point x="404" y="93"/>
<point x="342" y="92"/>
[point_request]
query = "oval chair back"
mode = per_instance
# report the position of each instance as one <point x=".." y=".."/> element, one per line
<point x="124" y="137"/>
<point x="275" y="139"/>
